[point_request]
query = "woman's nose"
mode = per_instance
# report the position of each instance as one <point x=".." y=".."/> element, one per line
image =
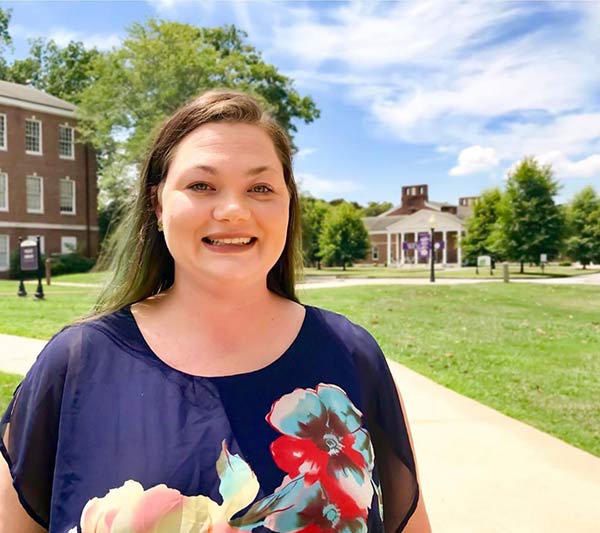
<point x="231" y="207"/>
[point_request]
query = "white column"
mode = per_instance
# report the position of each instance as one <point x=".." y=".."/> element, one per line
<point x="397" y="249"/>
<point x="445" y="256"/>
<point x="402" y="250"/>
<point x="415" y="254"/>
<point x="389" y="249"/>
<point x="459" y="239"/>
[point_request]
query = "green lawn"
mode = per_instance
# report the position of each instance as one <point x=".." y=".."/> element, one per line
<point x="422" y="271"/>
<point x="530" y="351"/>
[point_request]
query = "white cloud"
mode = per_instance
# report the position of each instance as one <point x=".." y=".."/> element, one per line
<point x="62" y="37"/>
<point x="474" y="159"/>
<point x="304" y="152"/>
<point x="564" y="167"/>
<point x="508" y="77"/>
<point x="323" y="187"/>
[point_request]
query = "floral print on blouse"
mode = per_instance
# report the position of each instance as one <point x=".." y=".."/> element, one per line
<point x="328" y="459"/>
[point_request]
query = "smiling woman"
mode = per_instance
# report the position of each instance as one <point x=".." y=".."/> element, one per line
<point x="201" y="395"/>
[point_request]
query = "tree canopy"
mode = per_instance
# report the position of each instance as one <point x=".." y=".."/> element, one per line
<point x="583" y="223"/>
<point x="344" y="237"/>
<point x="161" y="65"/>
<point x="482" y="227"/>
<point x="313" y="215"/>
<point x="531" y="222"/>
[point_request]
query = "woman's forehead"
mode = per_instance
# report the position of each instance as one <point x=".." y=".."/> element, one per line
<point x="221" y="141"/>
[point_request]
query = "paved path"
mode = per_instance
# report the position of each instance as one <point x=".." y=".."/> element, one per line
<point x="481" y="471"/>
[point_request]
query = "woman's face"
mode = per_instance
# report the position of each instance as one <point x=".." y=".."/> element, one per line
<point x="224" y="204"/>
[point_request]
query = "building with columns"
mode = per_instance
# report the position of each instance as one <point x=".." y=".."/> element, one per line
<point x="395" y="233"/>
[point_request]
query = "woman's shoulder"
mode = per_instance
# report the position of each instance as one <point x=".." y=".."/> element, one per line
<point x="71" y="343"/>
<point x="354" y="337"/>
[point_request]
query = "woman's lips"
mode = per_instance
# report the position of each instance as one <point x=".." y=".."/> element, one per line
<point x="229" y="244"/>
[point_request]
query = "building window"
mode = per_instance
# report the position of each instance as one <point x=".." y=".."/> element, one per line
<point x="4" y="253"/>
<point x="42" y="242"/>
<point x="66" y="142"/>
<point x="68" y="245"/>
<point x="3" y="131"/>
<point x="35" y="194"/>
<point x="413" y="191"/>
<point x="67" y="197"/>
<point x="33" y="136"/>
<point x="3" y="191"/>
<point x="375" y="253"/>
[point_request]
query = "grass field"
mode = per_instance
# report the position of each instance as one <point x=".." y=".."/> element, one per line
<point x="530" y="351"/>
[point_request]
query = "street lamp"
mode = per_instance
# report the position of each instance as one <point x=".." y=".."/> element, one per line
<point x="432" y="227"/>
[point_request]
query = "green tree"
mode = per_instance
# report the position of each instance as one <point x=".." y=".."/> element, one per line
<point x="5" y="38"/>
<point x="482" y="227"/>
<point x="344" y="237"/>
<point x="376" y="208"/>
<point x="583" y="225"/>
<point x="63" y="72"/>
<point x="313" y="214"/>
<point x="531" y="222"/>
<point x="160" y="66"/>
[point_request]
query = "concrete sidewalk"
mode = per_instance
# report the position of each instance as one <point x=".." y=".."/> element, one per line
<point x="481" y="471"/>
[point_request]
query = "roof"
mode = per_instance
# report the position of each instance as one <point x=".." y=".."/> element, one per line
<point x="438" y="205"/>
<point x="379" y="223"/>
<point x="28" y="95"/>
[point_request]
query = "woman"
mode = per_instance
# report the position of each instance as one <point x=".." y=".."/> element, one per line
<point x="202" y="396"/>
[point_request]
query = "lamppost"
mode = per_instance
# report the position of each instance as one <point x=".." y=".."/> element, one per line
<point x="432" y="248"/>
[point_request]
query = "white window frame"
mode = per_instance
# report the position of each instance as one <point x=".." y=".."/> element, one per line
<point x="35" y="211"/>
<point x="62" y="156"/>
<point x="375" y="253"/>
<point x="4" y="139"/>
<point x="6" y="266"/>
<point x="42" y="242"/>
<point x="31" y="152"/>
<point x="63" y="243"/>
<point x="74" y="188"/>
<point x="4" y="208"/>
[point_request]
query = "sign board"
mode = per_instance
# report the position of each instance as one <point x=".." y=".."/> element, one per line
<point x="484" y="261"/>
<point x="29" y="255"/>
<point x="423" y="244"/>
<point x="543" y="258"/>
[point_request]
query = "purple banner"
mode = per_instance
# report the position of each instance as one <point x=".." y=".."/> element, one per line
<point x="424" y="239"/>
<point x="29" y="257"/>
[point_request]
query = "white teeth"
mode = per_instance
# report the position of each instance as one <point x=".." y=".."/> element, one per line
<point x="238" y="241"/>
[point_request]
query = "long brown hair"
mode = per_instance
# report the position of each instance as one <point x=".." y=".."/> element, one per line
<point x="140" y="263"/>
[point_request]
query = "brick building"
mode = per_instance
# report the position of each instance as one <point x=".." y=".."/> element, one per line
<point x="47" y="179"/>
<point x="394" y="233"/>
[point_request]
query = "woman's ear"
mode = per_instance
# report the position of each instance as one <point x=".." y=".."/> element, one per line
<point x="155" y="192"/>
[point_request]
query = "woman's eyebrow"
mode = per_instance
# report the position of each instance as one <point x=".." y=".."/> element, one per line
<point x="255" y="171"/>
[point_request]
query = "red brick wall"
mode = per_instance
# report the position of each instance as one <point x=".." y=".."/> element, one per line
<point x="18" y="165"/>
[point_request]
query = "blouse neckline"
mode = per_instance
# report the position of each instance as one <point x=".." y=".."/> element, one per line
<point x="287" y="353"/>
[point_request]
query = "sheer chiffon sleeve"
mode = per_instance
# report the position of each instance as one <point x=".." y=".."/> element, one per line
<point x="29" y="426"/>
<point x="389" y="433"/>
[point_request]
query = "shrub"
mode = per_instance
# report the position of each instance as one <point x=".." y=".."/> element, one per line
<point x="61" y="264"/>
<point x="565" y="263"/>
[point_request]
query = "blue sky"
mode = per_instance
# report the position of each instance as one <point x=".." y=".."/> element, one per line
<point x="446" y="93"/>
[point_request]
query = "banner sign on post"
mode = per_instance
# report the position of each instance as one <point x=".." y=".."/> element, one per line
<point x="543" y="258"/>
<point x="29" y="255"/>
<point x="423" y="246"/>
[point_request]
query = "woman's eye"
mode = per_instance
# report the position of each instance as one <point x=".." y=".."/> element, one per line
<point x="200" y="187"/>
<point x="261" y="188"/>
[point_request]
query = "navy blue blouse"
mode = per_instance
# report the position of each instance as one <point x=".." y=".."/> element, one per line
<point x="102" y="435"/>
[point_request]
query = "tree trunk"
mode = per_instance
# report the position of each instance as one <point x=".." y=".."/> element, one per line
<point x="344" y="266"/>
<point x="522" y="265"/>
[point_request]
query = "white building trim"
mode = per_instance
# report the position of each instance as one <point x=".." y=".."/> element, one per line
<point x="33" y="225"/>
<point x="30" y="106"/>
